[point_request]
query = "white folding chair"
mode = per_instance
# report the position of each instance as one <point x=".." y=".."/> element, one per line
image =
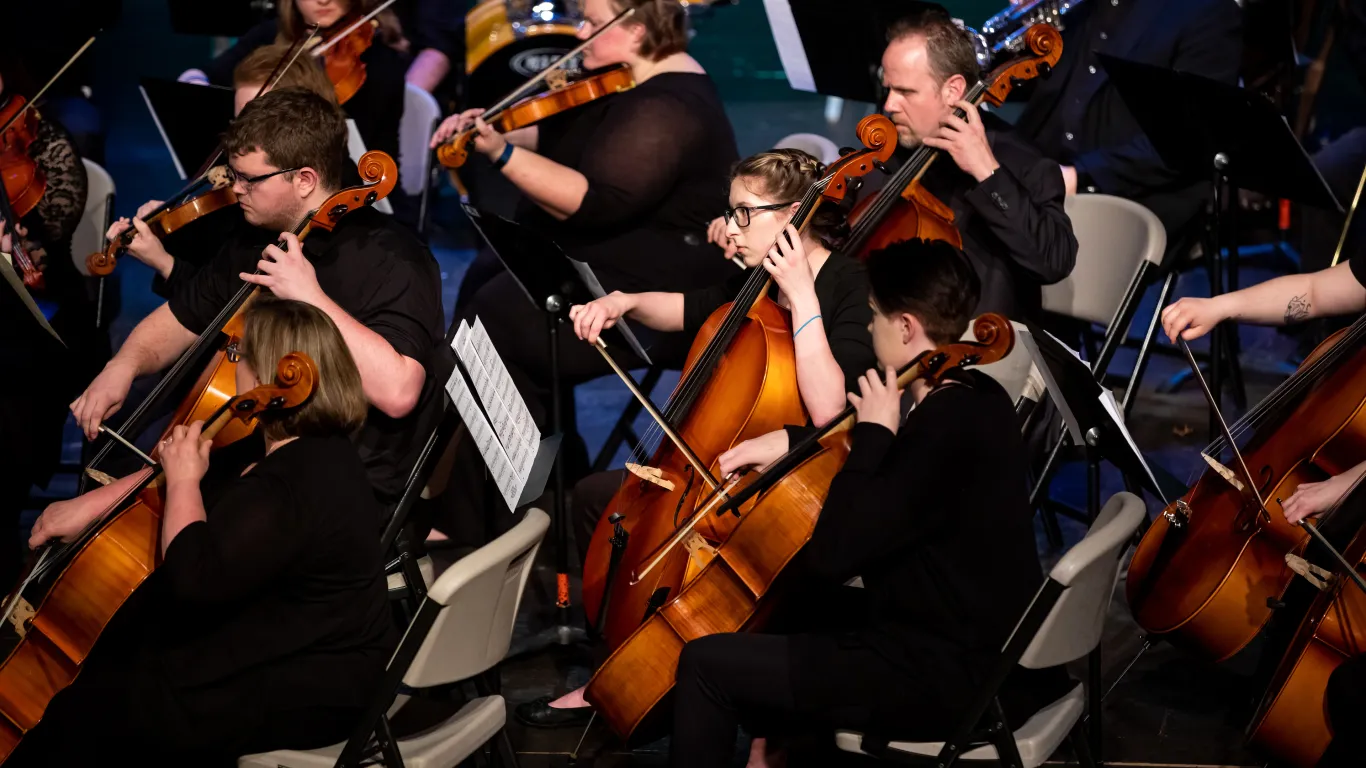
<point x="415" y="128"/>
<point x="462" y="629"/>
<point x="813" y="144"/>
<point x="1061" y="625"/>
<point x="88" y="237"/>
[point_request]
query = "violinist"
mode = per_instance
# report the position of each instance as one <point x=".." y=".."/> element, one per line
<point x="376" y="107"/>
<point x="931" y="511"/>
<point x="199" y="242"/>
<point x="1006" y="198"/>
<point x="266" y="625"/>
<point x="286" y="153"/>
<point x="1339" y="290"/>
<point x="826" y="291"/>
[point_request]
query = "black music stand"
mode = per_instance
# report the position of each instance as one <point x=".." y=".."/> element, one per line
<point x="190" y="118"/>
<point x="552" y="282"/>
<point x="1205" y="129"/>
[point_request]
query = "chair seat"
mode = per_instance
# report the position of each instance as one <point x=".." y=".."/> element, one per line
<point x="1037" y="739"/>
<point x="424" y="566"/>
<point x="442" y="746"/>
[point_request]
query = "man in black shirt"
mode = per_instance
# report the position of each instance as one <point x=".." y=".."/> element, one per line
<point x="1006" y="198"/>
<point x="286" y="152"/>
<point x="1077" y="117"/>
<point x="931" y="511"/>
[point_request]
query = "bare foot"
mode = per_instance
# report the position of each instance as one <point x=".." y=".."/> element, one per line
<point x="570" y="700"/>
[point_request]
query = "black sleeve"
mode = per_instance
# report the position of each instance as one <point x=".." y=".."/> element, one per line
<point x="197" y="301"/>
<point x="441" y="27"/>
<point x="882" y="502"/>
<point x="1354" y="34"/>
<point x="182" y="274"/>
<point x="1211" y="46"/>
<point x="635" y="158"/>
<point x="1359" y="269"/>
<point x="699" y="303"/>
<point x="220" y="69"/>
<point x="1023" y="208"/>
<point x="405" y="307"/>
<point x="846" y="326"/>
<point x="377" y="106"/>
<point x="252" y="534"/>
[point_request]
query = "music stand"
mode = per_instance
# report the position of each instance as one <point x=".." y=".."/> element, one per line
<point x="189" y="117"/>
<point x="1205" y="129"/>
<point x="552" y="282"/>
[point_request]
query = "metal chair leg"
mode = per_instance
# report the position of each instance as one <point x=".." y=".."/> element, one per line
<point x="507" y="756"/>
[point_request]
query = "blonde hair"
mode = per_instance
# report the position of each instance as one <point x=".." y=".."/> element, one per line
<point x="783" y="175"/>
<point x="276" y="327"/>
<point x="665" y="23"/>
<point x="306" y="72"/>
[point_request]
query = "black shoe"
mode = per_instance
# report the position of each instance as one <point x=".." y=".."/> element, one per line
<point x="538" y="713"/>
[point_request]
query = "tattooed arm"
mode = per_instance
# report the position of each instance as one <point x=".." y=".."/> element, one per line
<point x="1282" y="301"/>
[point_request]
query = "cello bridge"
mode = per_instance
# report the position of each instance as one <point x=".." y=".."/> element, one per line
<point x="1321" y="578"/>
<point x="21" y="616"/>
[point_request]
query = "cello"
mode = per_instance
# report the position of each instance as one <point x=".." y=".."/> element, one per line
<point x="24" y="182"/>
<point x="219" y="341"/>
<point x="731" y="592"/>
<point x="903" y="208"/>
<point x="1204" y="572"/>
<point x="73" y="591"/>
<point x="739" y="381"/>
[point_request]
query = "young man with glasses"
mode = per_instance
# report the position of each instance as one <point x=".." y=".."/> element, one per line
<point x="286" y="153"/>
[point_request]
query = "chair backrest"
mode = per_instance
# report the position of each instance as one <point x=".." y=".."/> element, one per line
<point x="355" y="149"/>
<point x="479" y="596"/>
<point x="415" y="128"/>
<point x="1114" y="237"/>
<point x="1013" y="371"/>
<point x="99" y="202"/>
<point x="813" y="144"/>
<point x="1087" y="575"/>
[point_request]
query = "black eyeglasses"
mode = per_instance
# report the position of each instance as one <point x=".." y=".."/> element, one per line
<point x="742" y="213"/>
<point x="247" y="182"/>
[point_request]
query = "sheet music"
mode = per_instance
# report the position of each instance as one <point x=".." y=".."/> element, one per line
<point x="503" y="429"/>
<point x="1107" y="401"/>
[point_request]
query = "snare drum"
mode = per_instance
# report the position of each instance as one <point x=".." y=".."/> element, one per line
<point x="509" y="41"/>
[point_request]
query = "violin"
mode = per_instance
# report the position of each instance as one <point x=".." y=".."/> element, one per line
<point x="25" y="184"/>
<point x="341" y="51"/>
<point x="72" y="592"/>
<point x="903" y="209"/>
<point x="732" y="591"/>
<point x="739" y="381"/>
<point x="167" y="218"/>
<point x="561" y="97"/>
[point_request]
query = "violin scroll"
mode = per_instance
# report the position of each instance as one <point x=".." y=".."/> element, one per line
<point x="379" y="174"/>
<point x="296" y="375"/>
<point x="879" y="138"/>
<point x="995" y="339"/>
<point x="1045" y="48"/>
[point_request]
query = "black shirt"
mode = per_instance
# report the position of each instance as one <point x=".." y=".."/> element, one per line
<point x="841" y="291"/>
<point x="377" y="105"/>
<point x="377" y="272"/>
<point x="936" y="520"/>
<point x="657" y="159"/>
<point x="1015" y="232"/>
<point x="1359" y="269"/>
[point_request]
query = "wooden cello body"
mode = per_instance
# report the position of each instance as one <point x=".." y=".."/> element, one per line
<point x="57" y="621"/>
<point x="1203" y="573"/>
<point x="1292" y="721"/>
<point x="739" y="382"/>
<point x="733" y="591"/>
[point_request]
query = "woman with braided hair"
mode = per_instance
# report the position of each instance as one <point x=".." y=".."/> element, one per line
<point x="826" y="292"/>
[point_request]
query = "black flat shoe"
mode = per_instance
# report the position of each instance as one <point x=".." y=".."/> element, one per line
<point x="538" y="713"/>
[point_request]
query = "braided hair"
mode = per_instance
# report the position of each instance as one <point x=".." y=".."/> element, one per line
<point x="786" y="174"/>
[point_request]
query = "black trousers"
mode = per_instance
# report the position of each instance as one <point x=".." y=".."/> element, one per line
<point x="1346" y="697"/>
<point x="591" y="497"/>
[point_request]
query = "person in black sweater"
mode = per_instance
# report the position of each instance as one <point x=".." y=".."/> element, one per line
<point x="266" y="625"/>
<point x="931" y="511"/>
<point x="286" y="152"/>
<point x="377" y="107"/>
<point x="826" y="292"/>
<point x="1005" y="196"/>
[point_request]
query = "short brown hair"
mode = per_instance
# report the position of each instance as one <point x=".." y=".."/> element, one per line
<point x="665" y="23"/>
<point x="786" y="174"/>
<point x="292" y="25"/>
<point x="930" y="279"/>
<point x="296" y="129"/>
<point x="948" y="46"/>
<point x="305" y="72"/>
<point x="276" y="327"/>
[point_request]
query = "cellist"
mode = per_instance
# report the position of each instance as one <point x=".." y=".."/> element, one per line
<point x="1338" y="290"/>
<point x="266" y="625"/>
<point x="1006" y="197"/>
<point x="931" y="511"/>
<point x="286" y="153"/>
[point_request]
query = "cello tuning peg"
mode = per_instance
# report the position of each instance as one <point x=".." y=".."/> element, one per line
<point x="881" y="166"/>
<point x="1045" y="69"/>
<point x="1274" y="604"/>
<point x="1016" y="82"/>
<point x="845" y="150"/>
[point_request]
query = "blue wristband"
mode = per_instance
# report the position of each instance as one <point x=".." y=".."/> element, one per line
<point x="808" y="322"/>
<point x="503" y="158"/>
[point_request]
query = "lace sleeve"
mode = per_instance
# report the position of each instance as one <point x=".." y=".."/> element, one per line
<point x="60" y="210"/>
<point x="635" y="159"/>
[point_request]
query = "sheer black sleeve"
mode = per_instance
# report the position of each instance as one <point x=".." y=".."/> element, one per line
<point x="698" y="304"/>
<point x="635" y="158"/>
